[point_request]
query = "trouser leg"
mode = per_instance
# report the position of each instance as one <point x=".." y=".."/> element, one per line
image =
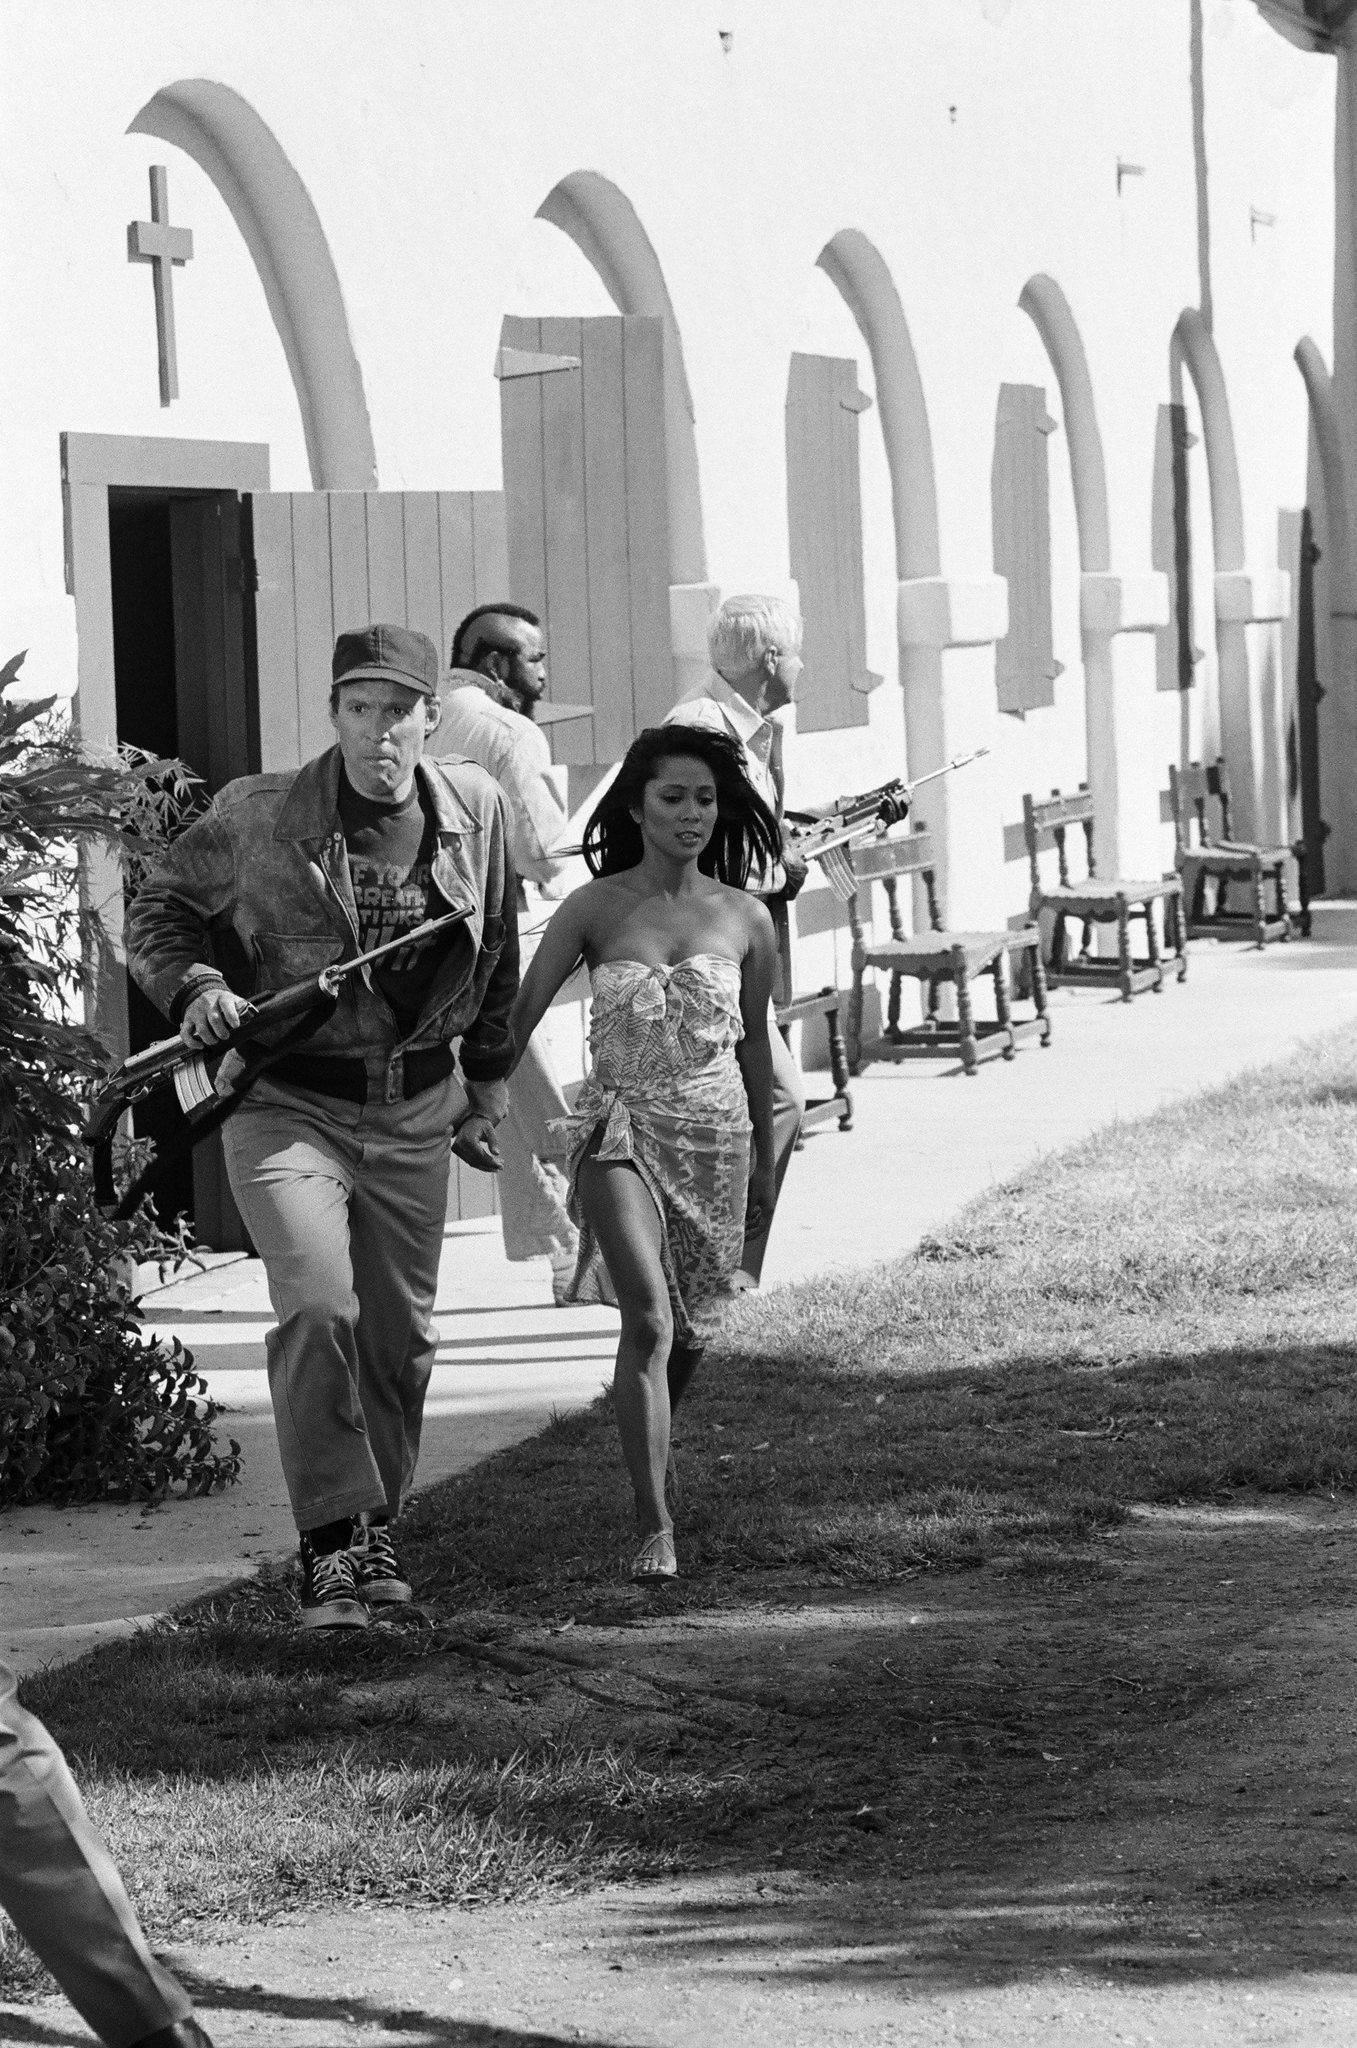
<point x="532" y="1188"/>
<point x="789" y="1107"/>
<point x="397" y="1219"/>
<point x="61" y="1889"/>
<point x="291" y="1160"/>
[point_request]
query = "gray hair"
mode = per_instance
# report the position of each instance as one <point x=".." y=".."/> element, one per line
<point x="742" y="631"/>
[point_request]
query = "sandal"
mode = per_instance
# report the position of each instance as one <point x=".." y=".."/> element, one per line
<point x="655" y="1559"/>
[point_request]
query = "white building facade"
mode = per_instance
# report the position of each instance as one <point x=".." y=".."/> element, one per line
<point x="1121" y="213"/>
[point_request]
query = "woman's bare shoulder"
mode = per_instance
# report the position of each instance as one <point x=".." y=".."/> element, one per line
<point x="752" y="913"/>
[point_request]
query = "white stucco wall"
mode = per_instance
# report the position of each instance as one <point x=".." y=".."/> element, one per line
<point x="974" y="142"/>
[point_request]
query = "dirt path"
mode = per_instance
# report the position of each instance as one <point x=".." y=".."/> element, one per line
<point x="1120" y="1805"/>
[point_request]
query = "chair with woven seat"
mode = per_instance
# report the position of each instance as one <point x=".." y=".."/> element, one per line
<point x="938" y="957"/>
<point x="1094" y="901"/>
<point x="1227" y="861"/>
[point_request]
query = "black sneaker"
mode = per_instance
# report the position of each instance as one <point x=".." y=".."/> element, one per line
<point x="330" y="1596"/>
<point x="377" y="1570"/>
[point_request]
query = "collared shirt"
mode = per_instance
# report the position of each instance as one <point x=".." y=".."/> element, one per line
<point x="722" y="709"/>
<point x="515" y="751"/>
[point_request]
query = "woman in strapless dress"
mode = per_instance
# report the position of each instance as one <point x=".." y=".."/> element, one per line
<point x="672" y="1134"/>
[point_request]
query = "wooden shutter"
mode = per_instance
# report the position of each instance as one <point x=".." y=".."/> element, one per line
<point x="588" y="522"/>
<point x="1176" y="654"/>
<point x="329" y="560"/>
<point x="1026" y="667"/>
<point x="824" y="522"/>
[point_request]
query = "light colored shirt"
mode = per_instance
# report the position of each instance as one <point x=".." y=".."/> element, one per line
<point x="721" y="709"/>
<point x="515" y="751"/>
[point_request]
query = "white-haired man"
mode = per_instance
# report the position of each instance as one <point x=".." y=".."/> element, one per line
<point x="754" y="645"/>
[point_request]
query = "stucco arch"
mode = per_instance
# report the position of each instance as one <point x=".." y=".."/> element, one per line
<point x="275" y="214"/>
<point x="1048" y="309"/>
<point x="1193" y="348"/>
<point x="604" y="225"/>
<point x="857" y="270"/>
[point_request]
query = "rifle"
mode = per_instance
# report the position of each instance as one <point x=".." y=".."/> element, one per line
<point x="854" y="818"/>
<point x="192" y="1069"/>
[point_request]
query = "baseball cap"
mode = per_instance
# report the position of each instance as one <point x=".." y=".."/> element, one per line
<point x="387" y="654"/>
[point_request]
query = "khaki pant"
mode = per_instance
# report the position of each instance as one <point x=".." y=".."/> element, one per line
<point x="346" y="1204"/>
<point x="59" y="1886"/>
<point x="789" y="1107"/>
<point x="532" y="1187"/>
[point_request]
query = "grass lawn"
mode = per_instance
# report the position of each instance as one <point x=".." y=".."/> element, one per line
<point x="1163" y="1314"/>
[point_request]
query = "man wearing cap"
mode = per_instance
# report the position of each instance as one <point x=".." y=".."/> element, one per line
<point x="338" y="1157"/>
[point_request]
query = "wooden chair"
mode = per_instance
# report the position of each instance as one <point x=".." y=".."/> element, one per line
<point x="1095" y="901"/>
<point x="1261" y="870"/>
<point x="937" y="956"/>
<point x="794" y="1009"/>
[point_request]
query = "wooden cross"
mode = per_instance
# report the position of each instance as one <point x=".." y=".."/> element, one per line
<point x="155" y="242"/>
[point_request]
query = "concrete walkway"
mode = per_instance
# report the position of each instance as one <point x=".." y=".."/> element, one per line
<point x="926" y="1140"/>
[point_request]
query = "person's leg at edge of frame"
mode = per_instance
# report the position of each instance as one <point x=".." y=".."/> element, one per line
<point x="626" y="1224"/>
<point x="397" y="1221"/>
<point x="789" y="1109"/>
<point x="292" y="1159"/>
<point x="62" y="1890"/>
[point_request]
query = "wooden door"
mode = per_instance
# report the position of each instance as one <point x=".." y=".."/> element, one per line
<point x="1309" y="691"/>
<point x="1177" y="655"/>
<point x="587" y="509"/>
<point x="218" y="737"/>
<point x="824" y="530"/>
<point x="1020" y="499"/>
<point x="325" y="561"/>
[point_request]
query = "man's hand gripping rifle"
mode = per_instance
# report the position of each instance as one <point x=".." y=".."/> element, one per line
<point x="206" y="1094"/>
<point x="854" y="818"/>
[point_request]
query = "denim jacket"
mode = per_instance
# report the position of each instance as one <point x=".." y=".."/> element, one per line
<point x="266" y="866"/>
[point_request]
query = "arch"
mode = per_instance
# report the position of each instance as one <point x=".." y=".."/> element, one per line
<point x="1193" y="346"/>
<point x="605" y="227"/>
<point x="274" y="212"/>
<point x="1049" y="311"/>
<point x="1329" y="442"/>
<point x="857" y="270"/>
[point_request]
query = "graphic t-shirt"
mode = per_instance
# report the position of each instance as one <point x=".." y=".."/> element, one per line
<point x="391" y="849"/>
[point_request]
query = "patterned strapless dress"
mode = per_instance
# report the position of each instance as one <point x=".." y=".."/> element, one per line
<point x="666" y="1090"/>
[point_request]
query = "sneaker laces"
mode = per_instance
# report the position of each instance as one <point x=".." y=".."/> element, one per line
<point x="378" y="1554"/>
<point x="331" y="1575"/>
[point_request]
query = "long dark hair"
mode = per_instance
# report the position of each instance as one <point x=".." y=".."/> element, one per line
<point x="746" y="834"/>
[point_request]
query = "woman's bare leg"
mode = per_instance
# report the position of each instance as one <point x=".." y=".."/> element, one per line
<point x="623" y="1218"/>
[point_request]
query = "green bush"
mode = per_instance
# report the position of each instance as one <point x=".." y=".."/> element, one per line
<point x="87" y="1407"/>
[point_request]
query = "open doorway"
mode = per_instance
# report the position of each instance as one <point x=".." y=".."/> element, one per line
<point x="181" y="687"/>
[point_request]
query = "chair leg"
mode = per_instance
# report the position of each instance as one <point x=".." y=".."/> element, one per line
<point x="1259" y="905"/>
<point x="1124" y="949"/>
<point x="893" y="1011"/>
<point x="854" y="1047"/>
<point x="1038" y="974"/>
<point x="1003" y="1008"/>
<point x="838" y="1066"/>
<point x="965" y="1012"/>
<point x="1301" y="853"/>
<point x="1152" y="948"/>
<point x="1058" y="945"/>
